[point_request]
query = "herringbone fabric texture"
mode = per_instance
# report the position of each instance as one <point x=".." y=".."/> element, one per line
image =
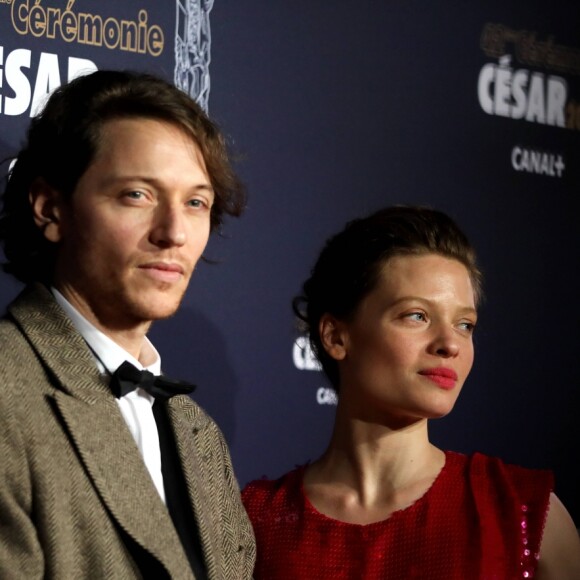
<point x="76" y="500"/>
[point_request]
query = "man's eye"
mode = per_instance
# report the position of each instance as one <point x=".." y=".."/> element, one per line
<point x="197" y="203"/>
<point x="134" y="194"/>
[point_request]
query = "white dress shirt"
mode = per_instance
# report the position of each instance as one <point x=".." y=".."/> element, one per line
<point x="137" y="406"/>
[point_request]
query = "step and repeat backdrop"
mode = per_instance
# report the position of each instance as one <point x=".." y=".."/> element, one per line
<point x="335" y="109"/>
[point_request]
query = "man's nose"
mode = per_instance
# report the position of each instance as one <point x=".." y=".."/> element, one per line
<point x="168" y="227"/>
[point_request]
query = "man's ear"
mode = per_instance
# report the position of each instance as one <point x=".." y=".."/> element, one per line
<point x="46" y="203"/>
<point x="333" y="336"/>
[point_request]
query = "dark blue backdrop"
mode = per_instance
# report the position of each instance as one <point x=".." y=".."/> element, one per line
<point x="336" y="109"/>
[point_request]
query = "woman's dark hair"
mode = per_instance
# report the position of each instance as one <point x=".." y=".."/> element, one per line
<point x="350" y="263"/>
<point x="63" y="140"/>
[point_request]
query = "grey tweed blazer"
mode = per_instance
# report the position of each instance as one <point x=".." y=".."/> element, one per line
<point x="76" y="500"/>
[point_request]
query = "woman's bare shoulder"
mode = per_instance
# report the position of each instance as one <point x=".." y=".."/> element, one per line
<point x="560" y="549"/>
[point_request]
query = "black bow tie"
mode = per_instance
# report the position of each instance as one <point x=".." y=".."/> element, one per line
<point x="128" y="377"/>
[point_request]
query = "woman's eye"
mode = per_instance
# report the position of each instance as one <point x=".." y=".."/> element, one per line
<point x="467" y="326"/>
<point x="418" y="316"/>
<point x="197" y="203"/>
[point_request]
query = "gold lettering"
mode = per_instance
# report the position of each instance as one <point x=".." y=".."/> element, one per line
<point x="497" y="40"/>
<point x="37" y="20"/>
<point x="52" y="20"/>
<point x="129" y="36"/>
<point x="19" y="15"/>
<point x="90" y="29"/>
<point x="573" y="115"/>
<point x="111" y="33"/>
<point x="87" y="28"/>
<point x="142" y="47"/>
<point x="68" y="26"/>
<point x="155" y="40"/>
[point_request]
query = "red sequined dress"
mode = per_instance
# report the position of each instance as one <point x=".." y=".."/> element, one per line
<point x="481" y="519"/>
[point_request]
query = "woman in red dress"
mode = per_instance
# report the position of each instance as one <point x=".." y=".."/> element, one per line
<point x="390" y="308"/>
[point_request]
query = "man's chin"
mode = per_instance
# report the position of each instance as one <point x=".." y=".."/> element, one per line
<point x="151" y="313"/>
<point x="138" y="308"/>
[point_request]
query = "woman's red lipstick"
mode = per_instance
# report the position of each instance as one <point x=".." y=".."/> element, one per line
<point x="441" y="376"/>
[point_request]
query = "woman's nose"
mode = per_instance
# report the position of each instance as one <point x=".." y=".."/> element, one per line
<point x="445" y="343"/>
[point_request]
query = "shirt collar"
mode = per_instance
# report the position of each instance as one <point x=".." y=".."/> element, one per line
<point x="108" y="354"/>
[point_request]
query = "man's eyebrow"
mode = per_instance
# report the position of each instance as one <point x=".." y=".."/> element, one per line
<point x="111" y="180"/>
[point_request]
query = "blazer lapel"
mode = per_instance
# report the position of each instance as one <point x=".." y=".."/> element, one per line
<point x="97" y="430"/>
<point x="114" y="465"/>
<point x="185" y="422"/>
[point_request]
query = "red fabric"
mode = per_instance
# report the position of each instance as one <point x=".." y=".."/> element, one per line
<point x="481" y="518"/>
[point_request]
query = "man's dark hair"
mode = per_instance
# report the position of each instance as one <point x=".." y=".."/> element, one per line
<point x="62" y="142"/>
<point x="350" y="264"/>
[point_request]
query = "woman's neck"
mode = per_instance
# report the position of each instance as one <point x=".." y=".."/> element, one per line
<point x="370" y="470"/>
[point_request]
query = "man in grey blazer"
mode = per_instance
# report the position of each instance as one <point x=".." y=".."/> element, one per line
<point x="105" y="474"/>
